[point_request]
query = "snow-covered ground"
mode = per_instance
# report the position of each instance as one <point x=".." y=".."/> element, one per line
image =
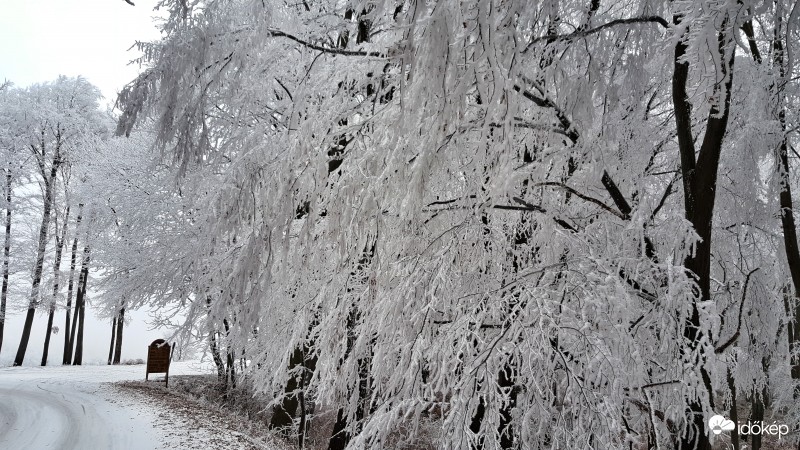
<point x="76" y="407"/>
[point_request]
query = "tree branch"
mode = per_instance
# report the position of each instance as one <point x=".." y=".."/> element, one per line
<point x="616" y="195"/>
<point x="585" y="197"/>
<point x="334" y="51"/>
<point x="583" y="33"/>
<point x="735" y="336"/>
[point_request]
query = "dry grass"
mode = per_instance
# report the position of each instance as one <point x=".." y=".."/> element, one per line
<point x="248" y="413"/>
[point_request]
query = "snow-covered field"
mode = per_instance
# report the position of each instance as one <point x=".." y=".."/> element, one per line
<point x="77" y="407"/>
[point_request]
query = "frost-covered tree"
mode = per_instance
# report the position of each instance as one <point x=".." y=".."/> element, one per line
<point x="10" y="153"/>
<point x="57" y="119"/>
<point x="522" y="225"/>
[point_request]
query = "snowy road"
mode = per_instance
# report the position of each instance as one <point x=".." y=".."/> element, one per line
<point x="72" y="408"/>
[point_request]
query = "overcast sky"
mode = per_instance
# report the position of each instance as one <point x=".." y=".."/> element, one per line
<point x="39" y="40"/>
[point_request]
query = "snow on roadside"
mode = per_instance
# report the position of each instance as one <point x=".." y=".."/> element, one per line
<point x="79" y="407"/>
<point x="186" y="421"/>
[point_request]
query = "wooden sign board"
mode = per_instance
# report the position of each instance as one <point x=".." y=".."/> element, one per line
<point x="159" y="356"/>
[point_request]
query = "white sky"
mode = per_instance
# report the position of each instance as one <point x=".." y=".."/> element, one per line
<point x="39" y="40"/>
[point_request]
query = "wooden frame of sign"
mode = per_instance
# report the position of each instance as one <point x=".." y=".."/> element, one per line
<point x="159" y="356"/>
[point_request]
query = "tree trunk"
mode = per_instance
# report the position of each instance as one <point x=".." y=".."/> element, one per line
<point x="49" y="182"/>
<point x="212" y="343"/>
<point x="758" y="406"/>
<point x="699" y="181"/>
<point x="787" y="215"/>
<point x="340" y="436"/>
<point x="80" y="307"/>
<point x="56" y="278"/>
<point x="284" y="413"/>
<point x="216" y="356"/>
<point x="734" y="411"/>
<point x="113" y="337"/>
<point x="118" y="340"/>
<point x="230" y="368"/>
<point x="69" y="332"/>
<point x="6" y="255"/>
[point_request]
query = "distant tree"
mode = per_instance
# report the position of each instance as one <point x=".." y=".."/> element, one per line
<point x="69" y="325"/>
<point x="61" y="117"/>
<point x="56" y="278"/>
<point x="80" y="309"/>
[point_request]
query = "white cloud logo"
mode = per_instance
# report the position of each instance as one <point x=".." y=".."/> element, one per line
<point x="718" y="424"/>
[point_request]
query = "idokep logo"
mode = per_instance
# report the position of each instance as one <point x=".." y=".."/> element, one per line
<point x="717" y="424"/>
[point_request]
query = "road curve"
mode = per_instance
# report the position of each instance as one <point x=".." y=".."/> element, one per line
<point x="61" y="413"/>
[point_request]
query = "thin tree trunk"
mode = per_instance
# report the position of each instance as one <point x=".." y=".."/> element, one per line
<point x="212" y="343"/>
<point x="230" y="371"/>
<point x="118" y="340"/>
<point x="113" y="337"/>
<point x="74" y="331"/>
<point x="6" y="255"/>
<point x="56" y="278"/>
<point x="80" y="307"/>
<point x="758" y="406"/>
<point x="217" y="358"/>
<point x="69" y="332"/>
<point x="49" y="181"/>
<point x="734" y="411"/>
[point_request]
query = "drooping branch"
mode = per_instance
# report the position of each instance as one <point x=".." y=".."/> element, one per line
<point x="589" y="199"/>
<point x="330" y="50"/>
<point x="584" y="33"/>
<point x="735" y="335"/>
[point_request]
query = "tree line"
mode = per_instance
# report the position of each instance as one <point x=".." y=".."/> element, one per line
<point x="50" y="132"/>
<point x="560" y="224"/>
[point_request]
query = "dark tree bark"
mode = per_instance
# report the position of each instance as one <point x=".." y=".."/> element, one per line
<point x="6" y="254"/>
<point x="113" y="338"/>
<point x="340" y="436"/>
<point x="49" y="333"/>
<point x="49" y="179"/>
<point x="293" y="404"/>
<point x="80" y="308"/>
<point x="56" y="278"/>
<point x="787" y="213"/>
<point x="216" y="356"/>
<point x="230" y="368"/>
<point x="283" y="414"/>
<point x="118" y="341"/>
<point x="699" y="182"/>
<point x="213" y="344"/>
<point x="69" y="332"/>
<point x="734" y="411"/>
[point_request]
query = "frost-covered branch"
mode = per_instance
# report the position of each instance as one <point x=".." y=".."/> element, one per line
<point x="583" y="33"/>
<point x="330" y="50"/>
<point x="735" y="335"/>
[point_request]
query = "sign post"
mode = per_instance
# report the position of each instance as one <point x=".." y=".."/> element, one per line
<point x="159" y="356"/>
